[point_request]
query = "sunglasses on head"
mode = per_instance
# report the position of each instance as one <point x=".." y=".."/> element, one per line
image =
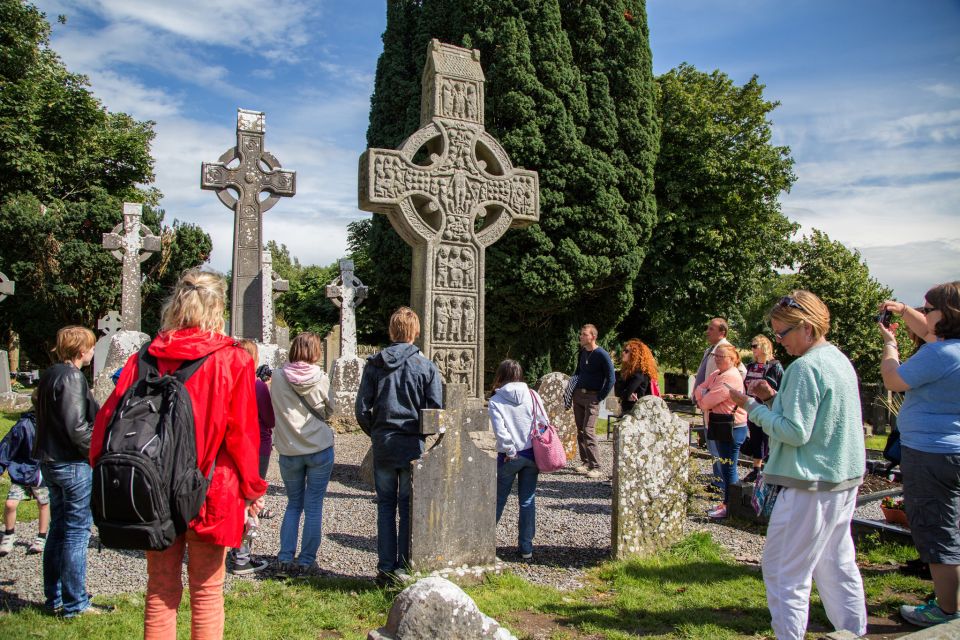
<point x="787" y="301"/>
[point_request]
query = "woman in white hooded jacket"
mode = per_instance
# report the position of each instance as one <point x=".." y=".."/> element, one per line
<point x="301" y="402"/>
<point x="511" y="414"/>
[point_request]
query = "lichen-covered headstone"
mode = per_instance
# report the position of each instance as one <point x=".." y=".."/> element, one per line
<point x="435" y="608"/>
<point x="650" y="467"/>
<point x="453" y="491"/>
<point x="551" y="387"/>
<point x="272" y="284"/>
<point x="123" y="344"/>
<point x="344" y="385"/>
<point x="256" y="171"/>
<point x="108" y="325"/>
<point x="450" y="207"/>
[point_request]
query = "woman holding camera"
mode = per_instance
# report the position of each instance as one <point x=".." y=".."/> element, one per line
<point x="817" y="459"/>
<point x="929" y="424"/>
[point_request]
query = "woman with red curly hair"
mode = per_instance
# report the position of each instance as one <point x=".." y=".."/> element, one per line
<point x="638" y="374"/>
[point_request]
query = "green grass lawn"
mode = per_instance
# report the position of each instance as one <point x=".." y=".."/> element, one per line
<point x="694" y="590"/>
<point x="876" y="442"/>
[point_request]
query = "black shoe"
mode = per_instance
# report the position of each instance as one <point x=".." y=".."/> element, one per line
<point x="750" y="477"/>
<point x="248" y="567"/>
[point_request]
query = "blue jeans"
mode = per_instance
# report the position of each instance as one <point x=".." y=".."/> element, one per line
<point x="305" y="478"/>
<point x="65" y="554"/>
<point x="393" y="498"/>
<point x="728" y="454"/>
<point x="525" y="471"/>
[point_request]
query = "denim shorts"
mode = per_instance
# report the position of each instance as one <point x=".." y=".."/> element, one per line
<point x="931" y="497"/>
<point x="20" y="492"/>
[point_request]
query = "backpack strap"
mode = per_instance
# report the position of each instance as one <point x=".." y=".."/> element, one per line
<point x="183" y="373"/>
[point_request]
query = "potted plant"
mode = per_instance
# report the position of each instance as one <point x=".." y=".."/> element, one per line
<point x="892" y="507"/>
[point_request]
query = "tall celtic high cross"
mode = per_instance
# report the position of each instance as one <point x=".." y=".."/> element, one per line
<point x="135" y="245"/>
<point x="450" y="202"/>
<point x="256" y="172"/>
<point x="346" y="292"/>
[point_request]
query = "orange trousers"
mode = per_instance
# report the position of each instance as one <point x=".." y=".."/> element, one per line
<point x="206" y="571"/>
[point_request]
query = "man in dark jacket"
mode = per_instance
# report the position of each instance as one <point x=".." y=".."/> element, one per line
<point x="397" y="384"/>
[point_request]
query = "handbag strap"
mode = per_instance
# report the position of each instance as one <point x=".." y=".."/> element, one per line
<point x="536" y="406"/>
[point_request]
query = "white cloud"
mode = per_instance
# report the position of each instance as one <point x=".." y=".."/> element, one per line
<point x="912" y="268"/>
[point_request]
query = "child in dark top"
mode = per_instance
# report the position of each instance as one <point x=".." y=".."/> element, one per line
<point x="24" y="471"/>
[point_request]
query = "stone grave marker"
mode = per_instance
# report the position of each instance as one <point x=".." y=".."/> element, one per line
<point x="123" y="344"/>
<point x="272" y="284"/>
<point x="450" y="208"/>
<point x="453" y="492"/>
<point x="108" y="325"/>
<point x="550" y="387"/>
<point x="7" y="287"/>
<point x="346" y="292"/>
<point x="650" y="466"/>
<point x="132" y="247"/>
<point x="257" y="171"/>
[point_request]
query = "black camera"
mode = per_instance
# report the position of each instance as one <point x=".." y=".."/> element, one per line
<point x="884" y="317"/>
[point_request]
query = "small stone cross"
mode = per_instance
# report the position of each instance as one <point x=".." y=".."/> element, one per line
<point x="6" y="286"/>
<point x="450" y="208"/>
<point x="257" y="171"/>
<point x="110" y="323"/>
<point x="133" y="247"/>
<point x="271" y="285"/>
<point x="347" y="292"/>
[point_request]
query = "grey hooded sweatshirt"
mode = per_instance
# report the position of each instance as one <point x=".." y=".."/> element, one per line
<point x="397" y="384"/>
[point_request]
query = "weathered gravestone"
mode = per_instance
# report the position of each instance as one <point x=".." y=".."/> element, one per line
<point x="7" y="287"/>
<point x="435" y="608"/>
<point x="108" y="325"/>
<point x="272" y="284"/>
<point x="123" y="344"/>
<point x="650" y="463"/>
<point x="346" y="292"/>
<point x="132" y="247"/>
<point x="551" y="387"/>
<point x="257" y="171"/>
<point x="450" y="208"/>
<point x="453" y="492"/>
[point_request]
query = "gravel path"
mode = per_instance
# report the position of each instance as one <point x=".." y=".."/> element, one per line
<point x="573" y="533"/>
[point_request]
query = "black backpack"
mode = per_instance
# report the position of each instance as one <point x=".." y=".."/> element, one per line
<point x="146" y="484"/>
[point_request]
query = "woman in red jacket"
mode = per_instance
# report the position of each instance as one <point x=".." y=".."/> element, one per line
<point x="225" y="417"/>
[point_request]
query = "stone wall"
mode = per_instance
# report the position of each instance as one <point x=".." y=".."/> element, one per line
<point x="650" y="467"/>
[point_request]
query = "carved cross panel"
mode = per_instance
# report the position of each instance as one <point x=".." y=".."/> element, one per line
<point x="254" y="172"/>
<point x="132" y="247"/>
<point x="7" y="286"/>
<point x="346" y="292"/>
<point x="450" y="191"/>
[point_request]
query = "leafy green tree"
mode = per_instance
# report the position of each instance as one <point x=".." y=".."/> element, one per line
<point x="65" y="276"/>
<point x="720" y="232"/>
<point x="56" y="139"/>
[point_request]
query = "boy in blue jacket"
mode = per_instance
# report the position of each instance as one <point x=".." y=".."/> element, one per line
<point x="24" y="471"/>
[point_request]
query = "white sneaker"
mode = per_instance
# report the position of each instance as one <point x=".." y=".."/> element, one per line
<point x="581" y="468"/>
<point x="594" y="473"/>
<point x="6" y="543"/>
<point x="36" y="546"/>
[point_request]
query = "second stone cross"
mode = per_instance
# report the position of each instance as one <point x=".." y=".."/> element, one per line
<point x="135" y="245"/>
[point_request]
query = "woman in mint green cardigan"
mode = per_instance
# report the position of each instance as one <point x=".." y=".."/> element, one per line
<point x="817" y="457"/>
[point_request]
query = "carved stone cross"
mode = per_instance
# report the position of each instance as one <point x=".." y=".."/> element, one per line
<point x="7" y="286"/>
<point x="110" y="323"/>
<point x="257" y="171"/>
<point x="271" y="285"/>
<point x="450" y="208"/>
<point x="346" y="292"/>
<point x="133" y="247"/>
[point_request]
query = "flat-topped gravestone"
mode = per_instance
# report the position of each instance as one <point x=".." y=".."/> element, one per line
<point x="108" y="325"/>
<point x="257" y="171"/>
<point x="453" y="492"/>
<point x="134" y="245"/>
<point x="650" y="466"/>
<point x="450" y="208"/>
<point x="272" y="284"/>
<point x="551" y="388"/>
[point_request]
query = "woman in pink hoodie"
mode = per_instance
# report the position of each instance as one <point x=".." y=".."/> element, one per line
<point x="300" y="393"/>
<point x="713" y="397"/>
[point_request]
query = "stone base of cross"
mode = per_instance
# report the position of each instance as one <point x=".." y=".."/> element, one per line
<point x="453" y="496"/>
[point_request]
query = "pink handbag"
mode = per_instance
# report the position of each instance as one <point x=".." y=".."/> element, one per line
<point x="547" y="449"/>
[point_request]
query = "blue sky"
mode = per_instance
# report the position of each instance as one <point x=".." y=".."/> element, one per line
<point x="869" y="92"/>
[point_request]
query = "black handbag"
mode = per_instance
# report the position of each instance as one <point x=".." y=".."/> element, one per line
<point x="720" y="427"/>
